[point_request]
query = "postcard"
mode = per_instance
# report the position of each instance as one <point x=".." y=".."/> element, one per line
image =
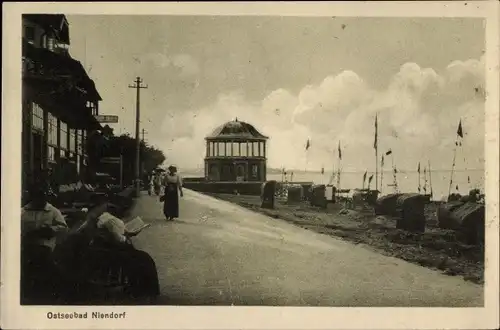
<point x="299" y="165"/>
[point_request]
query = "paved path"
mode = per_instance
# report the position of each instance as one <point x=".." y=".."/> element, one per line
<point x="218" y="253"/>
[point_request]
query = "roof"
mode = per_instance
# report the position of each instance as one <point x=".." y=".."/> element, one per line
<point x="55" y="22"/>
<point x="236" y="130"/>
<point x="63" y="64"/>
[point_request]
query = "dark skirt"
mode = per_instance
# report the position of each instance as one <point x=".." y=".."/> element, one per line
<point x="141" y="271"/>
<point x="171" y="203"/>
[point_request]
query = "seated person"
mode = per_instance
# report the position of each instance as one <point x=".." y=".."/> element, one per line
<point x="41" y="222"/>
<point x="138" y="265"/>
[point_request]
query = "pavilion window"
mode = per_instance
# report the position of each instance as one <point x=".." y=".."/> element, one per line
<point x="243" y="148"/>
<point x="228" y="149"/>
<point x="211" y="151"/>
<point x="221" y="149"/>
<point x="263" y="149"/>
<point x="236" y="149"/>
<point x="255" y="149"/>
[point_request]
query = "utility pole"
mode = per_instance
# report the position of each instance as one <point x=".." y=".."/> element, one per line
<point x="137" y="85"/>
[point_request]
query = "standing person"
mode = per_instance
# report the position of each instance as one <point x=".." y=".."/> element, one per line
<point x="151" y="184"/>
<point x="157" y="183"/>
<point x="172" y="183"/>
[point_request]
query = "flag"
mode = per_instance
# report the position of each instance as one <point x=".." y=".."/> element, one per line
<point x="308" y="144"/>
<point x="388" y="152"/>
<point x="340" y="152"/>
<point x="370" y="179"/>
<point x="468" y="179"/>
<point x="382" y="162"/>
<point x="364" y="176"/>
<point x="459" y="130"/>
<point x="376" y="132"/>
<point x="418" y="169"/>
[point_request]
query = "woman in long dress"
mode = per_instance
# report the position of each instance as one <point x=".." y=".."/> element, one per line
<point x="172" y="184"/>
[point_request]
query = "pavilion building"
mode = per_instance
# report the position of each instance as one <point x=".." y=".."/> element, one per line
<point x="236" y="152"/>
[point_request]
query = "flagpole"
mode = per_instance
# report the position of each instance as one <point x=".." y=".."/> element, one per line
<point x="395" y="184"/>
<point x="338" y="169"/>
<point x="453" y="166"/>
<point x="459" y="134"/>
<point x="418" y="171"/>
<point x="430" y="176"/>
<point x="376" y="152"/>
<point x="382" y="174"/>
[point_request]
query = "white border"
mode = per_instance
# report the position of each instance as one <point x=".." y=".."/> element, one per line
<point x="13" y="316"/>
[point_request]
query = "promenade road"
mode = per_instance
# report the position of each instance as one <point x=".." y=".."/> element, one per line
<point x="218" y="253"/>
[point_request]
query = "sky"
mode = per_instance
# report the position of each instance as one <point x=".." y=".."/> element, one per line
<point x="295" y="78"/>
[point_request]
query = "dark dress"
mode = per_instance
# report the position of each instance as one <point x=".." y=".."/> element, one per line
<point x="171" y="202"/>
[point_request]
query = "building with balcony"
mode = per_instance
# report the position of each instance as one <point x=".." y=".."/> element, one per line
<point x="236" y="152"/>
<point x="59" y="100"/>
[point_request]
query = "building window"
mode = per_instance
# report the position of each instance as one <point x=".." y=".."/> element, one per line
<point x="37" y="117"/>
<point x="72" y="140"/>
<point x="262" y="149"/>
<point x="84" y="142"/>
<point x="50" y="42"/>
<point x="236" y="149"/>
<point x="29" y="34"/>
<point x="228" y="149"/>
<point x="63" y="128"/>
<point x="52" y="140"/>
<point x="78" y="164"/>
<point x="51" y="156"/>
<point x="79" y="149"/>
<point x="244" y="147"/>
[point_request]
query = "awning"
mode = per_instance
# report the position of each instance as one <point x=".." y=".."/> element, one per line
<point x="68" y="107"/>
<point x="63" y="67"/>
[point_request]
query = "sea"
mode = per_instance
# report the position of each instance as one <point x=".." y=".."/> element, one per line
<point x="407" y="181"/>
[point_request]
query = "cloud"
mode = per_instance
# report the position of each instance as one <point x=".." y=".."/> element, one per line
<point x="418" y="115"/>
<point x="185" y="64"/>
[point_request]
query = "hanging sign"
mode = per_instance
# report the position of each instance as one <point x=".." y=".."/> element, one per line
<point x="111" y="119"/>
